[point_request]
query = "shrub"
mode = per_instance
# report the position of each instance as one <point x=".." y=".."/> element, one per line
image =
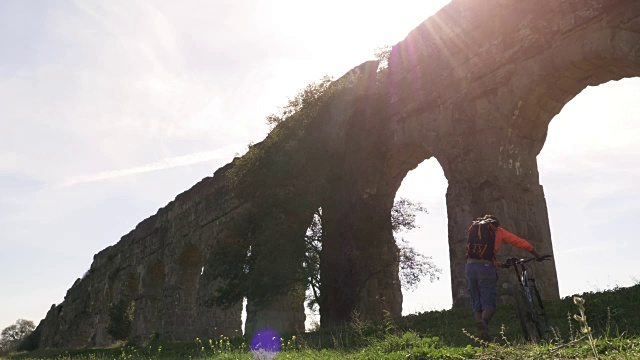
<point x="120" y="319"/>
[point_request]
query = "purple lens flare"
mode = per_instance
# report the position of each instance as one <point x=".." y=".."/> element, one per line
<point x="267" y="340"/>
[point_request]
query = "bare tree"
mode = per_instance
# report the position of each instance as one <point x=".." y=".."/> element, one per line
<point x="414" y="266"/>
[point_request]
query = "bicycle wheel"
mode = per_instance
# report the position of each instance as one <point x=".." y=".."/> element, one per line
<point x="523" y="311"/>
<point x="538" y="315"/>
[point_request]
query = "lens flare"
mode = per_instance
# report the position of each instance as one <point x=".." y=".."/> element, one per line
<point x="266" y="341"/>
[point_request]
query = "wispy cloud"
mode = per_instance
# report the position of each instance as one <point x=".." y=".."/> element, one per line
<point x="195" y="158"/>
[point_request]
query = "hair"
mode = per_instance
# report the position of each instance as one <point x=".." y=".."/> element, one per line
<point x="494" y="218"/>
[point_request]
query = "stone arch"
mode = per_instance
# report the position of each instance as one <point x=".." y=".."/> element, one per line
<point x="410" y="151"/>
<point x="106" y="293"/>
<point x="213" y="321"/>
<point x="122" y="305"/>
<point x="598" y="54"/>
<point x="488" y="120"/>
<point x="566" y="74"/>
<point x="611" y="54"/>
<point x="283" y="312"/>
<point x="146" y="323"/>
<point x="189" y="264"/>
<point x="427" y="185"/>
<point x="359" y="263"/>
<point x="179" y="305"/>
<point x="313" y="241"/>
<point x="585" y="127"/>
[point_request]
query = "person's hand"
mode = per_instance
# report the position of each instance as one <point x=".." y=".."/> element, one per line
<point x="543" y="257"/>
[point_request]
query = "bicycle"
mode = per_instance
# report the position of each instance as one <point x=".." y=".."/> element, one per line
<point x="529" y="307"/>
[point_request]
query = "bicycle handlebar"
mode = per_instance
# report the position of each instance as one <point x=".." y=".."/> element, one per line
<point x="515" y="261"/>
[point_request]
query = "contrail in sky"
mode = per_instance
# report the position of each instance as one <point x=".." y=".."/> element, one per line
<point x="169" y="163"/>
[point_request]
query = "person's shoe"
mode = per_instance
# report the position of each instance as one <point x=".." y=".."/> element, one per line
<point x="485" y="337"/>
<point x="484" y="330"/>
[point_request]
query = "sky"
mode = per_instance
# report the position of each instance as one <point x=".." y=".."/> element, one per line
<point x="109" y="109"/>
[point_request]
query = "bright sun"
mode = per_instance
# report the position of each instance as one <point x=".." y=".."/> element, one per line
<point x="388" y="22"/>
<point x="371" y="21"/>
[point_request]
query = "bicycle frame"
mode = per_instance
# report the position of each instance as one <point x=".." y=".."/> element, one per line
<point x="523" y="279"/>
<point x="534" y="310"/>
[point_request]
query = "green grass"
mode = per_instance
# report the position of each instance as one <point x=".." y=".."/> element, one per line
<point x="610" y="313"/>
<point x="613" y="316"/>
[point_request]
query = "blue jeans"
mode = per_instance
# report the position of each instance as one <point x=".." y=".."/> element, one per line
<point x="482" y="282"/>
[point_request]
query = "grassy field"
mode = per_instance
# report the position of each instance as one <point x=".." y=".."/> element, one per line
<point x="613" y="316"/>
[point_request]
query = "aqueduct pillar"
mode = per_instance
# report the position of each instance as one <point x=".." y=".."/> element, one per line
<point x="499" y="180"/>
<point x="359" y="262"/>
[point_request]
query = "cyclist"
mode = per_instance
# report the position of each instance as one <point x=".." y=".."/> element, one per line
<point x="485" y="238"/>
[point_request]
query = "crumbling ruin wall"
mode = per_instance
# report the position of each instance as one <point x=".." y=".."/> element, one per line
<point x="474" y="86"/>
<point x="156" y="270"/>
<point x="159" y="270"/>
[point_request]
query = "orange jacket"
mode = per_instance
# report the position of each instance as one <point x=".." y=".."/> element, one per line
<point x="509" y="238"/>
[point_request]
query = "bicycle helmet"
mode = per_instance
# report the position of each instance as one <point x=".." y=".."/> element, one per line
<point x="492" y="219"/>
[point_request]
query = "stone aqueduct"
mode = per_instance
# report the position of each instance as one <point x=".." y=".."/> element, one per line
<point x="474" y="86"/>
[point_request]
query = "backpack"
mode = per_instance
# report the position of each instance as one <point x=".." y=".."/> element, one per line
<point x="482" y="239"/>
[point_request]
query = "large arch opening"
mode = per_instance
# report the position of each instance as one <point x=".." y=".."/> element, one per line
<point x="313" y="243"/>
<point x="148" y="306"/>
<point x="122" y="306"/>
<point x="427" y="185"/>
<point x="213" y="321"/>
<point x="589" y="167"/>
<point x="179" y="311"/>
